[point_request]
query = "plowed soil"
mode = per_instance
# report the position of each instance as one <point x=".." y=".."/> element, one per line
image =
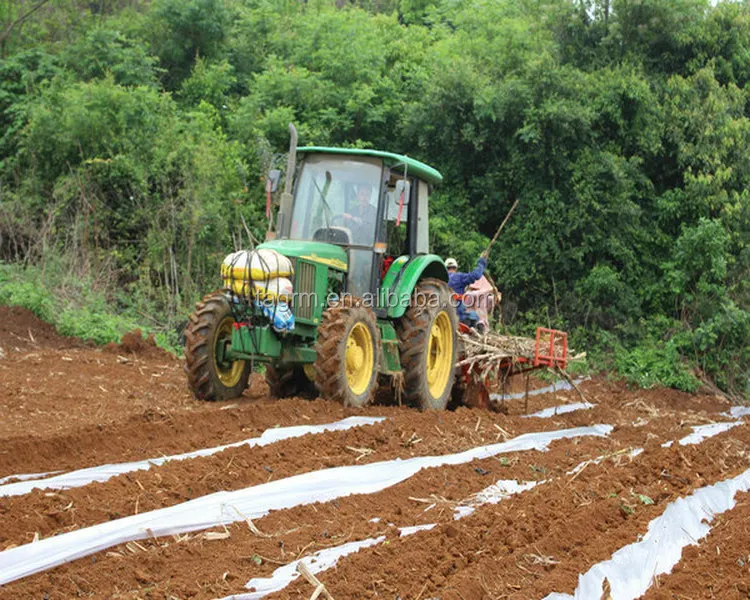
<point x="67" y="405"/>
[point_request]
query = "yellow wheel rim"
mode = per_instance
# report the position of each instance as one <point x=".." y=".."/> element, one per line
<point x="439" y="354"/>
<point x="309" y="371"/>
<point x="229" y="372"/>
<point x="359" y="359"/>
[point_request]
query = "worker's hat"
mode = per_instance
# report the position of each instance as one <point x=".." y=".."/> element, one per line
<point x="450" y="263"/>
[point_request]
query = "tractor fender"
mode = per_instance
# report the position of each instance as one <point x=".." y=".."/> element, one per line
<point x="402" y="277"/>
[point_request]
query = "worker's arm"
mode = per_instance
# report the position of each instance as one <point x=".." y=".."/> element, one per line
<point x="478" y="271"/>
<point x="461" y="280"/>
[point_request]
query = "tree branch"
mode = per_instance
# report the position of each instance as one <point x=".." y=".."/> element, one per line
<point x="20" y="20"/>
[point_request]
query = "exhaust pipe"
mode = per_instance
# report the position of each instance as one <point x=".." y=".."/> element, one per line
<point x="285" y="204"/>
<point x="291" y="160"/>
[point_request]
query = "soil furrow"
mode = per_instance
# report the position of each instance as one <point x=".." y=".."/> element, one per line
<point x="157" y="432"/>
<point x="404" y="434"/>
<point x="49" y="512"/>
<point x="538" y="542"/>
<point x="161" y="423"/>
<point x="301" y="530"/>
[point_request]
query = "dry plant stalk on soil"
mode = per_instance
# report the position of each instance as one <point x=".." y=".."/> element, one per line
<point x="320" y="589"/>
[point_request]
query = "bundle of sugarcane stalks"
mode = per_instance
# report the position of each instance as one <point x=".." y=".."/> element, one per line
<point x="487" y="353"/>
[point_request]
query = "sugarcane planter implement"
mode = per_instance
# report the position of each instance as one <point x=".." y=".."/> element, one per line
<point x="344" y="294"/>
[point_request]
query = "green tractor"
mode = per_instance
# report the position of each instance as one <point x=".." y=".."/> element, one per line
<point x="371" y="306"/>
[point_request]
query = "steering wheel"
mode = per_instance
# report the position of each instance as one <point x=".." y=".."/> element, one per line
<point x="338" y="220"/>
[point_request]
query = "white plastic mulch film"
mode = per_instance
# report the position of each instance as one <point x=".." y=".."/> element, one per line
<point x="254" y="502"/>
<point x="493" y="494"/>
<point x="553" y="411"/>
<point x="558" y="386"/>
<point x="101" y="473"/>
<point x="737" y="412"/>
<point x="685" y="521"/>
<point x="702" y="432"/>
<point x="412" y="529"/>
<point x="283" y="576"/>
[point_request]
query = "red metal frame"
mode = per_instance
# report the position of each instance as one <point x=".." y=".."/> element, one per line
<point x="557" y="350"/>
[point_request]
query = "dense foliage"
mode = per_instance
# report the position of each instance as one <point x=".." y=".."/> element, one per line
<point x="134" y="136"/>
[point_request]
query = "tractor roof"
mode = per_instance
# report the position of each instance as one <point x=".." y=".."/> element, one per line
<point x="414" y="167"/>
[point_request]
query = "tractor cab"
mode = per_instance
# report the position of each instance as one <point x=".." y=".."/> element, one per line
<point x="372" y="204"/>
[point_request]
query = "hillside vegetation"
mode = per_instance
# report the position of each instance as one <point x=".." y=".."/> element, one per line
<point x="134" y="137"/>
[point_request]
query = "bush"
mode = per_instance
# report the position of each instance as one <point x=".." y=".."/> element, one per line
<point x="654" y="363"/>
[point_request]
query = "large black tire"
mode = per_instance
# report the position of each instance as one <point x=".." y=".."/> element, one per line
<point x="428" y="346"/>
<point x="285" y="383"/>
<point x="209" y="325"/>
<point x="346" y="331"/>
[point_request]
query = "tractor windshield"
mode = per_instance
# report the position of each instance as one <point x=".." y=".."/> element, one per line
<point x="336" y="200"/>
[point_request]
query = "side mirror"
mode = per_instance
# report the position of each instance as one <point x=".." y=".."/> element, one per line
<point x="272" y="180"/>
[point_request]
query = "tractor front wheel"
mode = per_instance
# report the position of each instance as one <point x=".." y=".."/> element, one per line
<point x="211" y="376"/>
<point x="427" y="345"/>
<point x="348" y="350"/>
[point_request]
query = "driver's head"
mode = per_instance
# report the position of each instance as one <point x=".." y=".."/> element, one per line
<point x="451" y="264"/>
<point x="364" y="193"/>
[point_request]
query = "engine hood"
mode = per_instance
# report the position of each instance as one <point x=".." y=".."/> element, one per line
<point x="317" y="252"/>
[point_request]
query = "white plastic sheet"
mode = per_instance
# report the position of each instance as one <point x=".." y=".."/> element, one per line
<point x="254" y="502"/>
<point x="504" y="488"/>
<point x="553" y="411"/>
<point x="283" y="576"/>
<point x="737" y="412"/>
<point x="405" y="531"/>
<point x="684" y="522"/>
<point x="101" y="473"/>
<point x="558" y="386"/>
<point x="702" y="432"/>
<point x="316" y="563"/>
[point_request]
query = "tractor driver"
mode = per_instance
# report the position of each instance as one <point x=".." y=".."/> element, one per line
<point x="362" y="219"/>
<point x="458" y="282"/>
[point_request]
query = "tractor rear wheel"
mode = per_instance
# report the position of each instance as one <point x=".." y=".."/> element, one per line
<point x="348" y="352"/>
<point x="207" y="337"/>
<point x="286" y="382"/>
<point x="428" y="345"/>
